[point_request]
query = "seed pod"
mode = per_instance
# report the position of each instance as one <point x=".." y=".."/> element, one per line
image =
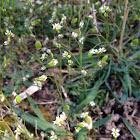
<point x="38" y="44"/>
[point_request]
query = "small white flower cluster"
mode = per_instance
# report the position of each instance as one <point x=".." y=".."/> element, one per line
<point x="27" y="24"/>
<point x="38" y="81"/>
<point x="81" y="40"/>
<point x="60" y="36"/>
<point x="18" y="131"/>
<point x="87" y="123"/>
<point x="43" y="56"/>
<point x="92" y="103"/>
<point x="74" y="35"/>
<point x="100" y="63"/>
<point x="53" y="136"/>
<point x="43" y="68"/>
<point x="66" y="55"/>
<point x="82" y="124"/>
<point x="53" y="17"/>
<point x="84" y="72"/>
<point x="84" y="114"/>
<point x="115" y="132"/>
<point x="7" y="22"/>
<point x="25" y="77"/>
<point x="9" y="34"/>
<point x="98" y="51"/>
<point x="55" y="43"/>
<point x="63" y="20"/>
<point x="105" y="10"/>
<point x="60" y="119"/>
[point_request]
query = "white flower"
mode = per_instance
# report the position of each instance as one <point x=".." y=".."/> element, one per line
<point x="48" y="50"/>
<point x="101" y="50"/>
<point x="24" y="78"/>
<point x="57" y="26"/>
<point x="90" y="16"/>
<point x="60" y="36"/>
<point x="54" y="137"/>
<point x="43" y="56"/>
<point x="6" y="43"/>
<point x="2" y="97"/>
<point x="92" y="103"/>
<point x="83" y="72"/>
<point x="81" y="40"/>
<point x="65" y="54"/>
<point x="46" y="40"/>
<point x="104" y="9"/>
<point x="74" y="35"/>
<point x="115" y="132"/>
<point x="60" y="120"/>
<point x="27" y="75"/>
<point x="9" y="33"/>
<point x="81" y="24"/>
<point x="14" y="93"/>
<point x="84" y="114"/>
<point x="39" y="2"/>
<point x="94" y="51"/>
<point x="70" y="62"/>
<point x="43" y="68"/>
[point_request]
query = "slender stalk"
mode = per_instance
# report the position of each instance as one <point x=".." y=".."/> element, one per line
<point x="123" y="27"/>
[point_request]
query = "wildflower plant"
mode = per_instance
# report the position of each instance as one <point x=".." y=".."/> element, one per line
<point x="67" y="53"/>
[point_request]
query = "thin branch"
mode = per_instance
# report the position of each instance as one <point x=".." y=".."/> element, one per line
<point x="126" y="11"/>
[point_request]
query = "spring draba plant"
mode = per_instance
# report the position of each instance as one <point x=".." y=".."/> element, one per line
<point x="75" y="57"/>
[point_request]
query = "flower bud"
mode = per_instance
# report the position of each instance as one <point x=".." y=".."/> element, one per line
<point x="18" y="99"/>
<point x="135" y="41"/>
<point x="53" y="62"/>
<point x="105" y="58"/>
<point x="38" y="44"/>
<point x="88" y="120"/>
<point x="74" y="21"/>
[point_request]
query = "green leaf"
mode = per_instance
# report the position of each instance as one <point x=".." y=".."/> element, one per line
<point x="128" y="79"/>
<point x="35" y="108"/>
<point x="4" y="63"/>
<point x="102" y="121"/>
<point x="43" y="125"/>
<point x="131" y="129"/>
<point x="136" y="93"/>
<point x="90" y="97"/>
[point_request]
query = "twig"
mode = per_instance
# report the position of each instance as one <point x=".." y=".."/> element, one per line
<point x="95" y="22"/>
<point x="126" y="11"/>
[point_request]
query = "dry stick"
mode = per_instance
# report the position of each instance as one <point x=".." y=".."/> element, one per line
<point x="95" y="22"/>
<point x="123" y="26"/>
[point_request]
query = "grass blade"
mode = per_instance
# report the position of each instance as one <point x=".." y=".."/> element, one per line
<point x="131" y="129"/>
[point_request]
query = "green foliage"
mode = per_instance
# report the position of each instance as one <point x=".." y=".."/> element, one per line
<point x="131" y="129"/>
<point x="76" y="45"/>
